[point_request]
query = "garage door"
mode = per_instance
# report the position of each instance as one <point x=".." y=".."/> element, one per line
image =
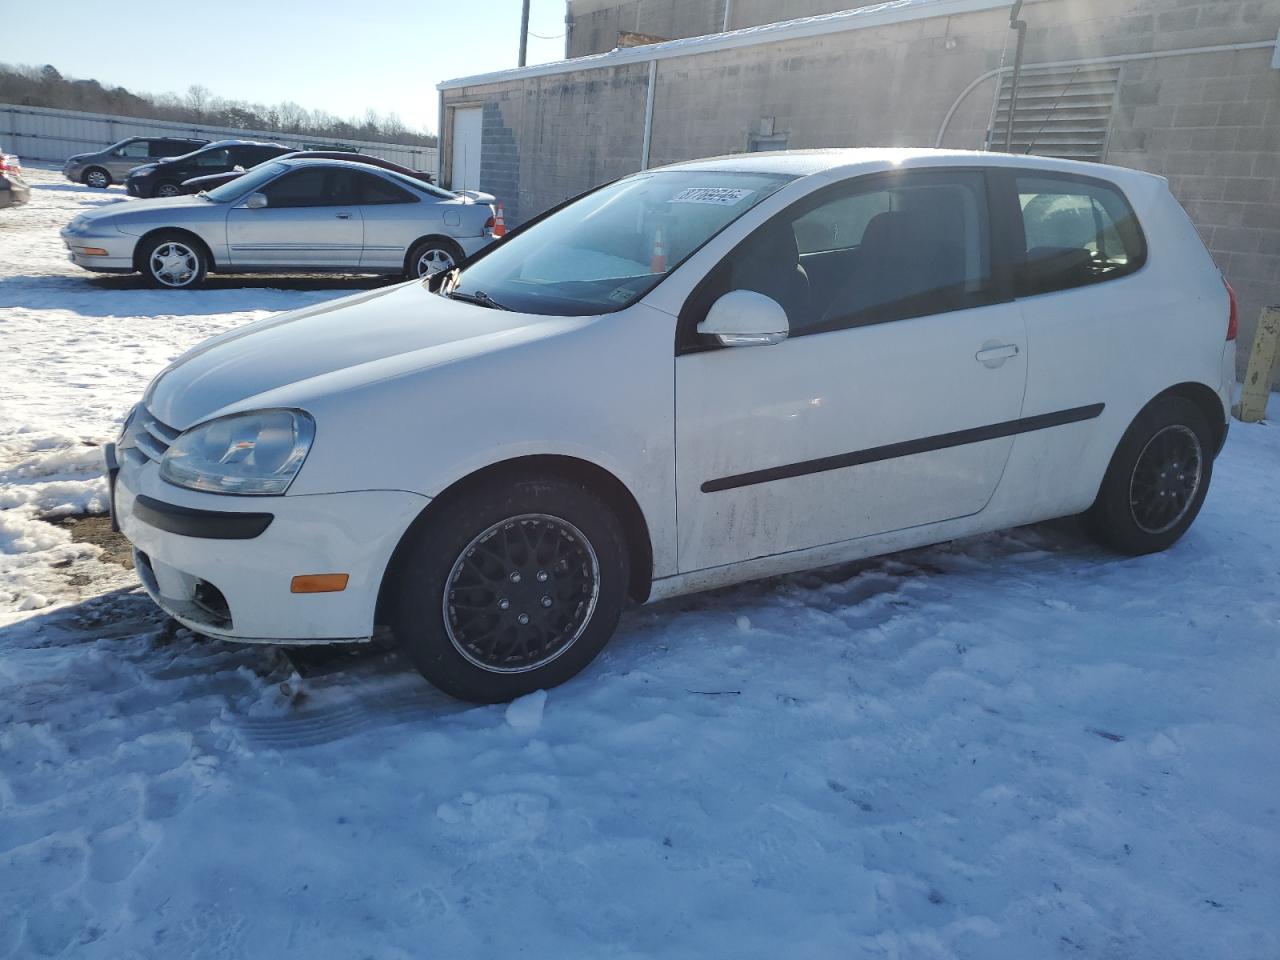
<point x="465" y="173"/>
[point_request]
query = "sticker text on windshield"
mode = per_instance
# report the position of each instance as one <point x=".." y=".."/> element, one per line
<point x="720" y="195"/>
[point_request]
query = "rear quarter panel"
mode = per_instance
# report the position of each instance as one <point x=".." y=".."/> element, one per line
<point x="1120" y="342"/>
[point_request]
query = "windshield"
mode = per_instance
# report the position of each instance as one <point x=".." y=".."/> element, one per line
<point x="248" y="182"/>
<point x="611" y="247"/>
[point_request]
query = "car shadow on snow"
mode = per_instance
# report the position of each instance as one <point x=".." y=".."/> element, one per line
<point x="290" y="697"/>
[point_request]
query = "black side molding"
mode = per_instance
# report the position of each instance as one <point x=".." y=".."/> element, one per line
<point x="906" y="448"/>
<point x="204" y="524"/>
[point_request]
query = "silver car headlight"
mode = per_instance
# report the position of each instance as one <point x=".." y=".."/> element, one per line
<point x="254" y="454"/>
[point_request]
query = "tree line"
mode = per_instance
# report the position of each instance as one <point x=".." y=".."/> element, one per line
<point x="45" y="86"/>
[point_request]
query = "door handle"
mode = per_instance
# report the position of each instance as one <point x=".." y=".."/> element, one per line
<point x="343" y="216"/>
<point x="992" y="355"/>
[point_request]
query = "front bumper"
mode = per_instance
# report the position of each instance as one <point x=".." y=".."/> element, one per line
<point x="118" y="246"/>
<point x="223" y="565"/>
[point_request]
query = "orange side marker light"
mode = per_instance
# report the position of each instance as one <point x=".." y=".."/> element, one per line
<point x="319" y="583"/>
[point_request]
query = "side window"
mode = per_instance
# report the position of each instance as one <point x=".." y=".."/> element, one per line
<point x="213" y="158"/>
<point x="376" y="190"/>
<point x="136" y="149"/>
<point x="170" y="148"/>
<point x="877" y="249"/>
<point x="311" y="187"/>
<point x="1078" y="232"/>
<point x="252" y="156"/>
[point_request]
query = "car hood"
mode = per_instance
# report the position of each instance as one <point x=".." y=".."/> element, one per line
<point x="128" y="210"/>
<point x="341" y="344"/>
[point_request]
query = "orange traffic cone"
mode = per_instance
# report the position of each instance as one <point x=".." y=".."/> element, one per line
<point x="659" y="262"/>
<point x="499" y="224"/>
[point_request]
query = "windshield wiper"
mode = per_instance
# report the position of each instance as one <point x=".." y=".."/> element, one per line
<point x="479" y="298"/>
<point x="203" y="194"/>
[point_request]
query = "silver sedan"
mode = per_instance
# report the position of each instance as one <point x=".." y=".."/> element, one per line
<point x="286" y="216"/>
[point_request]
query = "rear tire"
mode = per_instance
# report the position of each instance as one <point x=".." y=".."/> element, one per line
<point x="515" y="586"/>
<point x="1157" y="480"/>
<point x="97" y="178"/>
<point x="433" y="256"/>
<point x="173" y="261"/>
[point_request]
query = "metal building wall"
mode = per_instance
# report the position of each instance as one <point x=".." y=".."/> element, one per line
<point x="42" y="133"/>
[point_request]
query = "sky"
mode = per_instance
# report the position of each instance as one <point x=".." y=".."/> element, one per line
<point x="334" y="55"/>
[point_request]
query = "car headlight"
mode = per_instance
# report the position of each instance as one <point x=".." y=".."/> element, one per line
<point x="255" y="454"/>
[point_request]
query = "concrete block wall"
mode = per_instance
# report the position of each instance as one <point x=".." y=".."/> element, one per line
<point x="597" y="23"/>
<point x="548" y="138"/>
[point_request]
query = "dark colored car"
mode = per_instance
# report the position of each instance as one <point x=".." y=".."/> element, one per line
<point x="112" y="164"/>
<point x="164" y="179"/>
<point x="13" y="189"/>
<point x="211" y="180"/>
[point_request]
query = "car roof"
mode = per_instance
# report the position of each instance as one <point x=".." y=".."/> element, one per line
<point x="853" y="160"/>
<point x="241" y="143"/>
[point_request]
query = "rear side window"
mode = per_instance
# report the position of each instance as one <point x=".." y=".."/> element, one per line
<point x="1078" y="232"/>
<point x="170" y="148"/>
<point x="376" y="190"/>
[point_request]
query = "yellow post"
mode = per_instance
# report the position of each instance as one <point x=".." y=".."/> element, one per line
<point x="1262" y="360"/>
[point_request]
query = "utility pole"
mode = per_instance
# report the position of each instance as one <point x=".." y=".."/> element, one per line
<point x="524" y="33"/>
<point x="1021" y="27"/>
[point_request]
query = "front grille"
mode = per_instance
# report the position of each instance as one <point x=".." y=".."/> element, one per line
<point x="149" y="436"/>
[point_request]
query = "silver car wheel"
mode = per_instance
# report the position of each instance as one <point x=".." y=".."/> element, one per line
<point x="98" y="179"/>
<point x="174" y="264"/>
<point x="167" y="190"/>
<point x="433" y="260"/>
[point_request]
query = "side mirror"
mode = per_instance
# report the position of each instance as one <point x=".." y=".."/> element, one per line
<point x="255" y="201"/>
<point x="744" y="318"/>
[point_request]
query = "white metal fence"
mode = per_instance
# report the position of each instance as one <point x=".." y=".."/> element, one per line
<point x="42" y="133"/>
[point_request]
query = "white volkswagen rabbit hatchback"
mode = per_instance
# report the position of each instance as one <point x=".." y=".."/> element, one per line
<point x="697" y="375"/>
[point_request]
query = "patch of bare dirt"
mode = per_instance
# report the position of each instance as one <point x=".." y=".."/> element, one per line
<point x="96" y="529"/>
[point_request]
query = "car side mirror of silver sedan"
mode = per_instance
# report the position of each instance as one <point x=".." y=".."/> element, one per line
<point x="255" y="201"/>
<point x="744" y="318"/>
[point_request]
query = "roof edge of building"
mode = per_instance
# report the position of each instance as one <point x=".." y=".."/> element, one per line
<point x="860" y="18"/>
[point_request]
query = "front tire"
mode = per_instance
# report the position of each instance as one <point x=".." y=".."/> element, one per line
<point x="174" y="261"/>
<point x="97" y="178"/>
<point x="433" y="256"/>
<point x="1157" y="480"/>
<point x="166" y="188"/>
<point x="515" y="586"/>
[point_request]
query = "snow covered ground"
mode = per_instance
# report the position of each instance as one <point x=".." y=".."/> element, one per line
<point x="1016" y="746"/>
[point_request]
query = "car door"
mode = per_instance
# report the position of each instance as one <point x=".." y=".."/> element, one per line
<point x="311" y="220"/>
<point x="125" y="158"/>
<point x="393" y="219"/>
<point x="893" y="401"/>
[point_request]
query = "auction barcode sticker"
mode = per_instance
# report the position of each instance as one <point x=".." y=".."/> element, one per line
<point x="722" y="195"/>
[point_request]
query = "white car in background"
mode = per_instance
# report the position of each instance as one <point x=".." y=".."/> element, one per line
<point x="695" y="376"/>
<point x="285" y="216"/>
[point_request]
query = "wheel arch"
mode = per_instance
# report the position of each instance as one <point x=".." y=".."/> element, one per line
<point x="1207" y="400"/>
<point x="84" y="176"/>
<point x="408" y="253"/>
<point x="612" y="490"/>
<point x="141" y="245"/>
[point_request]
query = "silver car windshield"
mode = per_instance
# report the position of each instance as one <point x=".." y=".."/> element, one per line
<point x="249" y="182"/>
<point x="611" y="247"/>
